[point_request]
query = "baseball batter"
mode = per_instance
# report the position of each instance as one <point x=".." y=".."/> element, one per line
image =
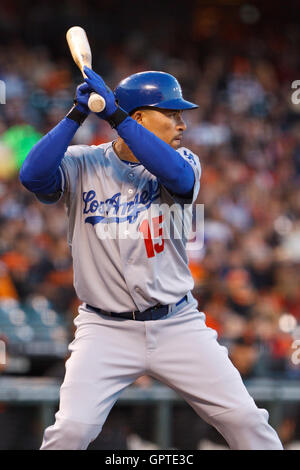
<point x="127" y="201"/>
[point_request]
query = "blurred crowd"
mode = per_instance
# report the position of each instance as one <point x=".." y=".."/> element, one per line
<point x="246" y="133"/>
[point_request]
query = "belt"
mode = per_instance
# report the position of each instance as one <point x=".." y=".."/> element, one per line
<point x="152" y="313"/>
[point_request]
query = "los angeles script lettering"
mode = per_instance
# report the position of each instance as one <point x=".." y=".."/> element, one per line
<point x="117" y="205"/>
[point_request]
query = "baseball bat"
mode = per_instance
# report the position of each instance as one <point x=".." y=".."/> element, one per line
<point x="81" y="53"/>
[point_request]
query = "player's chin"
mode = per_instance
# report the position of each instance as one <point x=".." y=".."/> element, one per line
<point x="176" y="143"/>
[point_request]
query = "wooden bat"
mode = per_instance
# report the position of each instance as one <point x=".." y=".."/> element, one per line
<point x="81" y="53"/>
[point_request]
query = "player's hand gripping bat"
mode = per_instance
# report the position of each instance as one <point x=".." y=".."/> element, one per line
<point x="81" y="53"/>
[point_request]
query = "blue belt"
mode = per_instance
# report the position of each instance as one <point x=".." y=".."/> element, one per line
<point x="152" y="313"/>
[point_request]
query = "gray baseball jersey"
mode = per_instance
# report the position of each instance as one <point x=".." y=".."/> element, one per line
<point x="128" y="247"/>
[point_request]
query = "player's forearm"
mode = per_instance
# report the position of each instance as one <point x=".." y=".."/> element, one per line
<point x="157" y="156"/>
<point x="40" y="170"/>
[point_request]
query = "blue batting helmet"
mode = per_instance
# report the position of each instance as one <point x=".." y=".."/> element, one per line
<point x="154" y="89"/>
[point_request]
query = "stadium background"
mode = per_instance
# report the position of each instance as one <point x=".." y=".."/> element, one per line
<point x="237" y="60"/>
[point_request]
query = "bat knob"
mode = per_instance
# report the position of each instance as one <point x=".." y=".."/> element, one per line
<point x="96" y="103"/>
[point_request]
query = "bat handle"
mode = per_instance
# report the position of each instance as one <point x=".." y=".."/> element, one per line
<point x="96" y="103"/>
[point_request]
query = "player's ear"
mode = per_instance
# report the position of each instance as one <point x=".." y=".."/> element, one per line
<point x="138" y="116"/>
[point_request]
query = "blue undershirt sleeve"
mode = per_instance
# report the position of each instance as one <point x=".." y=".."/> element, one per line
<point x="40" y="171"/>
<point x="173" y="171"/>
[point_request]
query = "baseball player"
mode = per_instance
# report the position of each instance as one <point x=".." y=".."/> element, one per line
<point x="125" y="201"/>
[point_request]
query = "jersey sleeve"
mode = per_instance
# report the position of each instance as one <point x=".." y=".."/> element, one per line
<point x="70" y="168"/>
<point x="194" y="161"/>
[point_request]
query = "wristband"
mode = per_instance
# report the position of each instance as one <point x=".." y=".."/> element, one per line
<point x="117" y="117"/>
<point x="76" y="115"/>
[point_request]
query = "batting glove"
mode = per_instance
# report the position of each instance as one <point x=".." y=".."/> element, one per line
<point x="82" y="95"/>
<point x="98" y="85"/>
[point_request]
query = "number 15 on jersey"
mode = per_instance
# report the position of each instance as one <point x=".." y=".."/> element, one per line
<point x="155" y="232"/>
